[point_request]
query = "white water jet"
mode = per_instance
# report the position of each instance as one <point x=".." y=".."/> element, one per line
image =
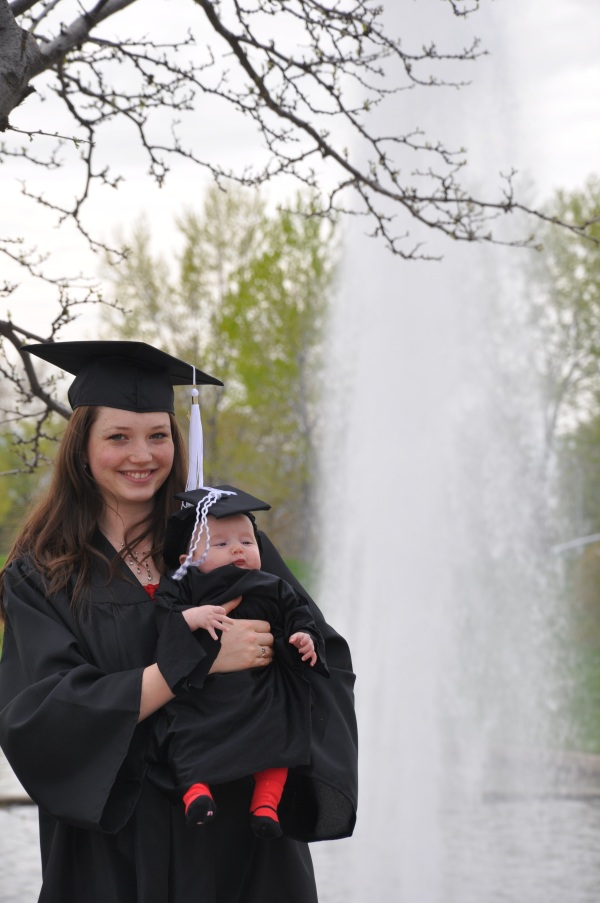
<point x="437" y="530"/>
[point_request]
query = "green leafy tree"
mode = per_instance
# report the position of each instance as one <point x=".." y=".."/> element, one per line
<point x="273" y="323"/>
<point x="180" y="308"/>
<point x="21" y="480"/>
<point x="247" y="302"/>
<point x="566" y="310"/>
<point x="566" y="307"/>
<point x="565" y="304"/>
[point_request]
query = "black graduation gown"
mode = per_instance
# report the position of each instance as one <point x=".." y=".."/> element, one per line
<point x="239" y="723"/>
<point x="320" y="798"/>
<point x="69" y="702"/>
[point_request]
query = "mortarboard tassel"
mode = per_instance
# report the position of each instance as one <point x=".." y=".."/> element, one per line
<point x="195" y="478"/>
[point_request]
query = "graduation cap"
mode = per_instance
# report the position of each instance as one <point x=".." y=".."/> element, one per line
<point x="131" y="376"/>
<point x="218" y="501"/>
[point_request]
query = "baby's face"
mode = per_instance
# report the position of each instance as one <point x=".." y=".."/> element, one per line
<point x="232" y="541"/>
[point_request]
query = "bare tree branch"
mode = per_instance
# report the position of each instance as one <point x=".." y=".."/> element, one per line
<point x="341" y="65"/>
<point x="26" y="394"/>
<point x="305" y="74"/>
<point x="16" y="336"/>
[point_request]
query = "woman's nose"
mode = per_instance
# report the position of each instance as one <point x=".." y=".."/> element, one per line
<point x="140" y="452"/>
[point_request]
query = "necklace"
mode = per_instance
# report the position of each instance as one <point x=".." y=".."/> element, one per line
<point x="132" y="559"/>
<point x="136" y="565"/>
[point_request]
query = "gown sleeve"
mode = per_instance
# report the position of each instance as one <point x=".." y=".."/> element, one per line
<point x="320" y="800"/>
<point x="297" y="616"/>
<point x="68" y="728"/>
<point x="180" y="652"/>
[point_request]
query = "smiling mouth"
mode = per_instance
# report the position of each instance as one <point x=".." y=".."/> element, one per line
<point x="136" y="475"/>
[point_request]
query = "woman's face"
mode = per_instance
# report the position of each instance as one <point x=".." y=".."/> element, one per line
<point x="130" y="455"/>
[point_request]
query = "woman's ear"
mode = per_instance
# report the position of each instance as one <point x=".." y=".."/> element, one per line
<point x="182" y="558"/>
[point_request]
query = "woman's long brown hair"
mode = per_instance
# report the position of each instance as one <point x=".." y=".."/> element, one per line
<point x="57" y="537"/>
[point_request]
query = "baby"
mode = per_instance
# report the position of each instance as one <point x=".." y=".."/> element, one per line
<point x="233" y="541"/>
<point x="220" y="575"/>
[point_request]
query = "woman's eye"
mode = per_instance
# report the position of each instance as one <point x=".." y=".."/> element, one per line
<point x="158" y="436"/>
<point x="117" y="437"/>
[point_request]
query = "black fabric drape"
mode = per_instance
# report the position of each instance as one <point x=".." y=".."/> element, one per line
<point x="69" y="703"/>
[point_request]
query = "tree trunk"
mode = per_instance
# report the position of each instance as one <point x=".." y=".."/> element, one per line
<point x="21" y="57"/>
<point x="20" y="60"/>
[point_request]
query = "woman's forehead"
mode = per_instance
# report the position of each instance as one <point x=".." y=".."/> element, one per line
<point x="115" y="418"/>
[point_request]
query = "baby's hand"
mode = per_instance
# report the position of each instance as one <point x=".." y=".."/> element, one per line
<point x="305" y="646"/>
<point x="207" y="617"/>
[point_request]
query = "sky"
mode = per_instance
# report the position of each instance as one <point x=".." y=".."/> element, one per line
<point x="543" y="72"/>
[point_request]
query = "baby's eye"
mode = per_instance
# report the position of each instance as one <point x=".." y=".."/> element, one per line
<point x="218" y="545"/>
<point x="247" y="542"/>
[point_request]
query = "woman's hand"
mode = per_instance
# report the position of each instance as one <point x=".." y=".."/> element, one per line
<point x="247" y="644"/>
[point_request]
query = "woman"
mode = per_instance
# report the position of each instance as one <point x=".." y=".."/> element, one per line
<point x="84" y="668"/>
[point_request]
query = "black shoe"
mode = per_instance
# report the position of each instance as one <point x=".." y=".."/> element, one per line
<point x="200" y="811"/>
<point x="263" y="825"/>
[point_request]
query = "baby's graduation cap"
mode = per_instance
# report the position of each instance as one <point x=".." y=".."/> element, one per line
<point x="218" y="501"/>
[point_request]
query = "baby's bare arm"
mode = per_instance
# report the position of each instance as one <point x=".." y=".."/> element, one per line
<point x="207" y="617"/>
<point x="304" y="643"/>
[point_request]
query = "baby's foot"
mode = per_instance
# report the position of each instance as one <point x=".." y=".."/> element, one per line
<point x="200" y="810"/>
<point x="264" y="822"/>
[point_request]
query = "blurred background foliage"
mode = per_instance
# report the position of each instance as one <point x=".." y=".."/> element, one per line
<point x="247" y="298"/>
<point x="564" y="284"/>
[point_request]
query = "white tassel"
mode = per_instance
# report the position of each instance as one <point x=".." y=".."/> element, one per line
<point x="195" y="478"/>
